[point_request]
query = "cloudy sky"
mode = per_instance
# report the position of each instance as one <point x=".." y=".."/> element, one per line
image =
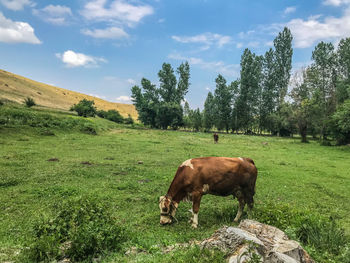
<point x="104" y="47"/>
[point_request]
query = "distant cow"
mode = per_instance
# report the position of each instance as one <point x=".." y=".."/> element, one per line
<point x="209" y="175"/>
<point x="216" y="138"/>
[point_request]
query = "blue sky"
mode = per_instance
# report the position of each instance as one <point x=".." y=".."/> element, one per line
<point x="104" y="47"/>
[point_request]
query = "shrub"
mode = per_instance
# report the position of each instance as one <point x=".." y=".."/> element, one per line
<point x="129" y="120"/>
<point x="102" y="114"/>
<point x="114" y="115"/>
<point x="85" y="108"/>
<point x="1" y="103"/>
<point x="88" y="128"/>
<point x="82" y="229"/>
<point x="29" y="102"/>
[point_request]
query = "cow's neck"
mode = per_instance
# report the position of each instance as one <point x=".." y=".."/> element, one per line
<point x="176" y="192"/>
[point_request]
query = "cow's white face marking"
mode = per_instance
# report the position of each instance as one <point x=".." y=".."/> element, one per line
<point x="240" y="158"/>
<point x="205" y="188"/>
<point x="187" y="163"/>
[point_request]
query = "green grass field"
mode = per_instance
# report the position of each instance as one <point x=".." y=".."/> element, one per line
<point x="294" y="180"/>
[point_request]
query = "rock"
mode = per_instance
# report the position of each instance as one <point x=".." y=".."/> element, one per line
<point x="275" y="240"/>
<point x="227" y="239"/>
<point x="140" y="162"/>
<point x="252" y="239"/>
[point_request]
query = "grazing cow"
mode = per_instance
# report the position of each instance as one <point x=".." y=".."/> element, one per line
<point x="216" y="138"/>
<point x="209" y="175"/>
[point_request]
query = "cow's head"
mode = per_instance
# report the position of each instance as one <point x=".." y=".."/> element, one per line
<point x="167" y="210"/>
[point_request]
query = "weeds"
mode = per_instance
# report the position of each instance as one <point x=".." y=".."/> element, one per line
<point x="82" y="229"/>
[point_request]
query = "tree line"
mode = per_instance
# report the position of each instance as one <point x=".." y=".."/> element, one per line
<point x="265" y="99"/>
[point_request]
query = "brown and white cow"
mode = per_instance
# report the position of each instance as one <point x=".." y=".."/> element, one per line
<point x="209" y="175"/>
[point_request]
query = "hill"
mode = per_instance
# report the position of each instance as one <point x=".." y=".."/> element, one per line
<point x="16" y="88"/>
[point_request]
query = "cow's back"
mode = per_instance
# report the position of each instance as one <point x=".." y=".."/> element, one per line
<point x="220" y="175"/>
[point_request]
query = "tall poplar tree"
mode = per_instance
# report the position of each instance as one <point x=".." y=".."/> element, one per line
<point x="250" y="90"/>
<point x="223" y="100"/>
<point x="283" y="63"/>
<point x="209" y="112"/>
<point x="324" y="67"/>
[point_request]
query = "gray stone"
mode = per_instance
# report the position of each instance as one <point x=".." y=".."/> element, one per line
<point x="227" y="239"/>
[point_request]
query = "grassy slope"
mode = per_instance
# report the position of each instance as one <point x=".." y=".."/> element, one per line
<point x="308" y="177"/>
<point x="17" y="88"/>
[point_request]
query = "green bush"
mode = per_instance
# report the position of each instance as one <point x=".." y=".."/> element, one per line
<point x="82" y="229"/>
<point x="324" y="238"/>
<point x="88" y="128"/>
<point x="1" y="103"/>
<point x="29" y="102"/>
<point x="101" y="114"/>
<point x="114" y="115"/>
<point x="85" y="108"/>
<point x="129" y="120"/>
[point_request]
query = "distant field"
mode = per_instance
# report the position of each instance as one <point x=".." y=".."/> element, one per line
<point x="16" y="88"/>
<point x="307" y="178"/>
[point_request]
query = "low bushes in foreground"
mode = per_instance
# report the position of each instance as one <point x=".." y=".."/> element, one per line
<point x="81" y="230"/>
<point x="325" y="240"/>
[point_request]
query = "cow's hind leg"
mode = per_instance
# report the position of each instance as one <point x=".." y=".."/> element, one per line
<point x="241" y="201"/>
<point x="196" y="198"/>
<point x="250" y="203"/>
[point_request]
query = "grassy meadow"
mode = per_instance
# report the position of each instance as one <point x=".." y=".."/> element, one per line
<point x="297" y="183"/>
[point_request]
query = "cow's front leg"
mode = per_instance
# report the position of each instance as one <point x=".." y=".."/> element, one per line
<point x="196" y="198"/>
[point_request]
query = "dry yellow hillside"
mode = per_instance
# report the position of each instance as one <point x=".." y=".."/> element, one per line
<point x="16" y="88"/>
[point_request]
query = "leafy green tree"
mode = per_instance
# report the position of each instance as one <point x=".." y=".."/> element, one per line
<point x="223" y="100"/>
<point x="341" y="123"/>
<point x="196" y="117"/>
<point x="324" y="78"/>
<point x="269" y="96"/>
<point x="85" y="108"/>
<point x="146" y="103"/>
<point x="169" y="114"/>
<point x="187" y="111"/>
<point x="209" y="112"/>
<point x="283" y="63"/>
<point x="302" y="105"/>
<point x="167" y="79"/>
<point x="234" y="87"/>
<point x="250" y="90"/>
<point x="29" y="102"/>
<point x="343" y="54"/>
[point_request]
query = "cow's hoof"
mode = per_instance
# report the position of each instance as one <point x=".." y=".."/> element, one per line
<point x="194" y="226"/>
<point x="236" y="220"/>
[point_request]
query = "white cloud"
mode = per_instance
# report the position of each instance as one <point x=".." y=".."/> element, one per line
<point x="110" y="32"/>
<point x="336" y="2"/>
<point x="123" y="99"/>
<point x="73" y="59"/>
<point x="16" y="32"/>
<point x="207" y="39"/>
<point x="231" y="70"/>
<point x="118" y="11"/>
<point x="54" y="14"/>
<point x="16" y="4"/>
<point x="314" y="29"/>
<point x="131" y="81"/>
<point x="289" y="10"/>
